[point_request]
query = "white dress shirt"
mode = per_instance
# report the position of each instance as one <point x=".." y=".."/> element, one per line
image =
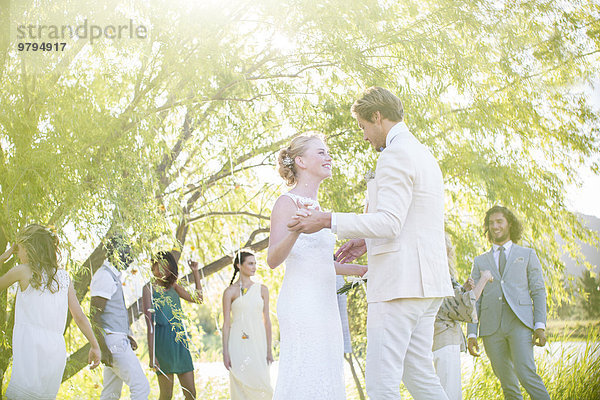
<point x="103" y="285"/>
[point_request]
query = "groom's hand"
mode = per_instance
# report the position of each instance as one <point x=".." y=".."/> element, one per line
<point x="351" y="250"/>
<point x="312" y="221"/>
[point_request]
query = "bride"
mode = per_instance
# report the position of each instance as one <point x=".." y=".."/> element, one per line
<point x="311" y="352"/>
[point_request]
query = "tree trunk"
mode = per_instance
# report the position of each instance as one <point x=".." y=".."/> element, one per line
<point x="361" y="394"/>
<point x="90" y="266"/>
<point x="5" y="325"/>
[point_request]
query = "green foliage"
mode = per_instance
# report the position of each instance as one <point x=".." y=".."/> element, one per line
<point x="589" y="294"/>
<point x="573" y="329"/>
<point x="572" y="375"/>
<point x="173" y="138"/>
<point x="585" y="302"/>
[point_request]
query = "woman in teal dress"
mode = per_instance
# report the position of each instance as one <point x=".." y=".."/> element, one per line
<point x="168" y="343"/>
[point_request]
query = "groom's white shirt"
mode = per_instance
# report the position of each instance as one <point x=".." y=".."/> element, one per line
<point x="404" y="223"/>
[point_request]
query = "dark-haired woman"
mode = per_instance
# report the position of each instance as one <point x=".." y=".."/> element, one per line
<point x="247" y="334"/>
<point x="168" y="343"/>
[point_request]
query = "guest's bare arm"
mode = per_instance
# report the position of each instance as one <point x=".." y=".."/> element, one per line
<point x="20" y="273"/>
<point x="84" y="326"/>
<point x="147" y="308"/>
<point x="97" y="305"/>
<point x="486" y="276"/>
<point x="227" y="300"/>
<point x="197" y="296"/>
<point x="267" y="321"/>
<point x="8" y="253"/>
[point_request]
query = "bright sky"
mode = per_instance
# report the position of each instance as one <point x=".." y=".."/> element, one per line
<point x="586" y="199"/>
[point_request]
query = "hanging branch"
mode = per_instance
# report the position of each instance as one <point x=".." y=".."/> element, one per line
<point x="224" y="261"/>
<point x="171" y="156"/>
<point x="213" y="213"/>
<point x="226" y="170"/>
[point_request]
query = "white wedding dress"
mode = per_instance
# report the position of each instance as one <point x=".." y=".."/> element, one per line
<point x="311" y="346"/>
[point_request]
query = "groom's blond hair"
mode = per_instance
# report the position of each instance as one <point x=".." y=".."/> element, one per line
<point x="378" y="99"/>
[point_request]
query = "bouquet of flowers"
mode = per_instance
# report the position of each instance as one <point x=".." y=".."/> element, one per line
<point x="353" y="281"/>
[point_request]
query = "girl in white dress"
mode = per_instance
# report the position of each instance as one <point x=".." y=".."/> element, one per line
<point x="311" y="353"/>
<point x="43" y="295"/>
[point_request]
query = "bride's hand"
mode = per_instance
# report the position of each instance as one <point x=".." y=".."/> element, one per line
<point x="302" y="213"/>
<point x="306" y="221"/>
<point x="351" y="250"/>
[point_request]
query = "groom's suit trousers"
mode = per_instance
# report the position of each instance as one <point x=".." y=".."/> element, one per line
<point x="399" y="342"/>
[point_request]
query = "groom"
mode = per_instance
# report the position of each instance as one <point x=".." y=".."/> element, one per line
<point x="403" y="236"/>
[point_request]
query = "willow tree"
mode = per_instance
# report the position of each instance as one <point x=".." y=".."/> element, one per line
<point x="170" y="137"/>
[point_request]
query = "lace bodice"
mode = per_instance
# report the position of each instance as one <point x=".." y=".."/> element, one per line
<point x="310" y="261"/>
<point x="302" y="201"/>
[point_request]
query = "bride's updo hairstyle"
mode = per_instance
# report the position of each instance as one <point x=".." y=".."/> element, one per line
<point x="287" y="156"/>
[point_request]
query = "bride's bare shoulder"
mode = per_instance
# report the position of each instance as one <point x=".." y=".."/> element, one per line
<point x="285" y="205"/>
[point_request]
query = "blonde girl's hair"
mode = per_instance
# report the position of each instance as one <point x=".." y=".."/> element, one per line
<point x="41" y="246"/>
<point x="287" y="156"/>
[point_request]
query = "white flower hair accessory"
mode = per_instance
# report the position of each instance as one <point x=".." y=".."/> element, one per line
<point x="287" y="161"/>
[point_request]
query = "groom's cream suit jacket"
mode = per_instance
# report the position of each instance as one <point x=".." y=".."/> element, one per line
<point x="404" y="223"/>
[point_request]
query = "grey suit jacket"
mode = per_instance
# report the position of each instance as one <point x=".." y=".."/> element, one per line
<point x="522" y="285"/>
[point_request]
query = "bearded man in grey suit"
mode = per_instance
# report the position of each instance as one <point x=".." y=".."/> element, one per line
<point x="512" y="308"/>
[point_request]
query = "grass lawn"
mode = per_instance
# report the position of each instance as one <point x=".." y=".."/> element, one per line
<point x="572" y="329"/>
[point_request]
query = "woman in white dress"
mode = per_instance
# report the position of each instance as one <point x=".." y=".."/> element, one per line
<point x="247" y="333"/>
<point x="43" y="295"/>
<point x="311" y="343"/>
